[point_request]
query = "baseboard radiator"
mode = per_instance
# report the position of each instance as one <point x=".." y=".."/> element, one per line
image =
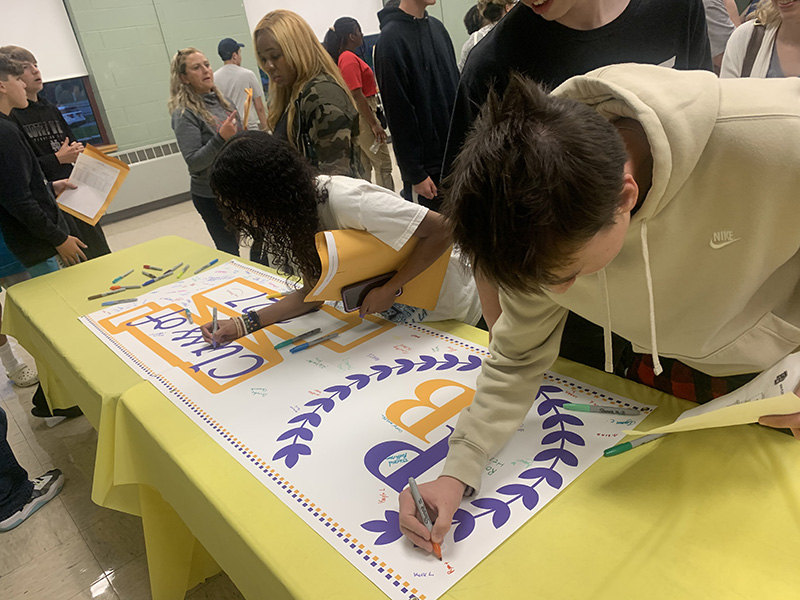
<point x="157" y="172"/>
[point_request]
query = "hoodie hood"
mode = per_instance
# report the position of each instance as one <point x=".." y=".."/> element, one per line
<point x="677" y="118"/>
<point x="389" y="15"/>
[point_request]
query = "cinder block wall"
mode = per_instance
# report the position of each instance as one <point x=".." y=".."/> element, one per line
<point x="128" y="44"/>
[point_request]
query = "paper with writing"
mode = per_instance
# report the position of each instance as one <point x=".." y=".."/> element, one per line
<point x="771" y="393"/>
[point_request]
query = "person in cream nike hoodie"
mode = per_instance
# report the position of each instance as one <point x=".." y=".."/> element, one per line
<point x="697" y="257"/>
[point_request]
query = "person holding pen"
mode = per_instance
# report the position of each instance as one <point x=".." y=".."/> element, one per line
<point x="202" y="120"/>
<point x="626" y="196"/>
<point x="267" y="190"/>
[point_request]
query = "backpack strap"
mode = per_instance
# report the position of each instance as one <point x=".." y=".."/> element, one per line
<point x="753" y="47"/>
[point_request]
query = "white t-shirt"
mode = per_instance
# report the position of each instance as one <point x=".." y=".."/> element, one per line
<point x="358" y="204"/>
<point x="232" y="80"/>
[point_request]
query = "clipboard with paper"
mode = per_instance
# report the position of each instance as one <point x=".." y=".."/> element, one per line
<point x="349" y="256"/>
<point x="98" y="178"/>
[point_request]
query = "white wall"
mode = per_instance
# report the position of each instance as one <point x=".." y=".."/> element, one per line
<point x="320" y="14"/>
<point x="42" y="26"/>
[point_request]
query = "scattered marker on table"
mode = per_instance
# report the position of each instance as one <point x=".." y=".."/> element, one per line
<point x="423" y="513"/>
<point x="152" y="268"/>
<point x="121" y="277"/>
<point x="122" y="301"/>
<point x="624" y="447"/>
<point x="109" y="293"/>
<point x="204" y="267"/>
<point x="189" y="316"/>
<point x="297" y="338"/>
<point x="214" y="327"/>
<point x="183" y="271"/>
<point x="173" y="269"/>
<point x="150" y="275"/>
<point x="608" y="410"/>
<point x="313" y="342"/>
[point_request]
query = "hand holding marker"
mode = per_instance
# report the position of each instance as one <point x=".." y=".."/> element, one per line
<point x="423" y="513"/>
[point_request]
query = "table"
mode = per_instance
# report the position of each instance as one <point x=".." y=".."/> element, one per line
<point x="77" y="369"/>
<point x="712" y="514"/>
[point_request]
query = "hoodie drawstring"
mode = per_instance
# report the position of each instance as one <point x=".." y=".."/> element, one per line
<point x="609" y="348"/>
<point x="657" y="369"/>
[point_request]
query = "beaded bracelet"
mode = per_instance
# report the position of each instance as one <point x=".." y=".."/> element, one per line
<point x="251" y="321"/>
<point x="240" y="328"/>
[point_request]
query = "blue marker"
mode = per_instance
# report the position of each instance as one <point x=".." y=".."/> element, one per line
<point x="121" y="277"/>
<point x="310" y="343"/>
<point x="204" y="267"/>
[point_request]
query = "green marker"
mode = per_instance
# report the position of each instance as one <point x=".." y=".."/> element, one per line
<point x="608" y="410"/>
<point x="302" y="336"/>
<point x="620" y="448"/>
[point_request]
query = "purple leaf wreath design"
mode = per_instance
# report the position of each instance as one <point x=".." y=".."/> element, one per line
<point x="498" y="508"/>
<point x="304" y="424"/>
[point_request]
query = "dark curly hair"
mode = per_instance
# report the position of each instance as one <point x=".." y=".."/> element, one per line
<point x="267" y="191"/>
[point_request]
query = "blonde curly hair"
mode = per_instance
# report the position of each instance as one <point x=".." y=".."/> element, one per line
<point x="304" y="52"/>
<point x="182" y="95"/>
<point x="767" y="13"/>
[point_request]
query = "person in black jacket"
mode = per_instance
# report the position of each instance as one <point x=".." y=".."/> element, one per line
<point x="53" y="142"/>
<point x="565" y="38"/>
<point x="415" y="65"/>
<point x="31" y="223"/>
<point x="552" y="42"/>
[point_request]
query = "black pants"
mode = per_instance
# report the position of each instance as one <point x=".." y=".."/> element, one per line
<point x="92" y="236"/>
<point x="15" y="488"/>
<point x="434" y="203"/>
<point x="224" y="239"/>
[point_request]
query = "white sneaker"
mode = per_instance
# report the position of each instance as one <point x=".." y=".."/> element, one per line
<point x="45" y="488"/>
<point x="24" y="376"/>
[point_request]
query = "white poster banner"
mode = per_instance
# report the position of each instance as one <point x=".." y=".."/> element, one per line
<point x="372" y="407"/>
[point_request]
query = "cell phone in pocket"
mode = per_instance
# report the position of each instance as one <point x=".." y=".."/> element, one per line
<point x="353" y="295"/>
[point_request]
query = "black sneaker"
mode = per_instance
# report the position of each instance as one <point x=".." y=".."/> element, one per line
<point x="45" y="488"/>
<point x="69" y="413"/>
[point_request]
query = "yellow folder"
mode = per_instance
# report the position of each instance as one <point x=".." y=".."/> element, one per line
<point x="98" y="178"/>
<point x="349" y="256"/>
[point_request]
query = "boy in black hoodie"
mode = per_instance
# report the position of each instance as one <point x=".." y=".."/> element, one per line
<point x="32" y="225"/>
<point x="415" y="65"/>
<point x="53" y="142"/>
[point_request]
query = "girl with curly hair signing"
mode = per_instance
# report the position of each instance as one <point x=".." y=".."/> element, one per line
<point x="265" y="189"/>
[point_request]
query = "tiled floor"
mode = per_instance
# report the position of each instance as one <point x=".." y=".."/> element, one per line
<point x="73" y="549"/>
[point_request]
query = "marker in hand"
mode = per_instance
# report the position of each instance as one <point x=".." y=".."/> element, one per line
<point x="423" y="513"/>
<point x="214" y="327"/>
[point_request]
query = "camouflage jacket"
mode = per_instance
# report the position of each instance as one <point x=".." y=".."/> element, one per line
<point x="326" y="128"/>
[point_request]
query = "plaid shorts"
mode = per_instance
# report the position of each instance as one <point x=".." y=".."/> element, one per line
<point x="678" y="379"/>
